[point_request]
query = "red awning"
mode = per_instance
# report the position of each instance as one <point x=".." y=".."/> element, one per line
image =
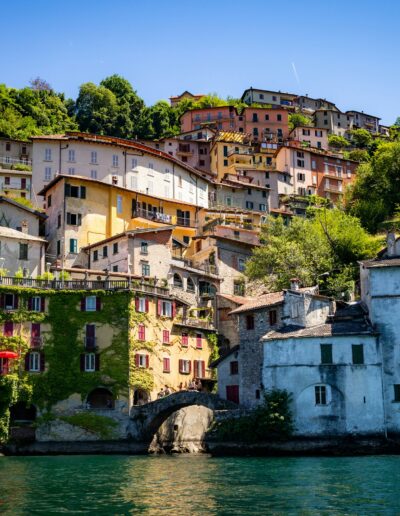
<point x="8" y="354"/>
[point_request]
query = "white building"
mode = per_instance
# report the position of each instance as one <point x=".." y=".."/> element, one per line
<point x="116" y="161"/>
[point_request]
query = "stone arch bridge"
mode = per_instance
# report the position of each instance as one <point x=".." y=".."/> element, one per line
<point x="147" y="419"/>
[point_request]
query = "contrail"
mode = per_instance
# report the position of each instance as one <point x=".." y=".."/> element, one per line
<point x="296" y="74"/>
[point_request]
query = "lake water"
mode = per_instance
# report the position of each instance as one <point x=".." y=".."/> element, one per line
<point x="190" y="485"/>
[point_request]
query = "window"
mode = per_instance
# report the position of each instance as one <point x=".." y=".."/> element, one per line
<point x="151" y="166"/>
<point x="36" y="304"/>
<point x="190" y="287"/>
<point x="261" y="96"/>
<point x="47" y="154"/>
<point x="272" y="317"/>
<point x="105" y="251"/>
<point x="93" y="157"/>
<point x="199" y="368"/>
<point x="71" y="171"/>
<point x="34" y="362"/>
<point x="115" y="160"/>
<point x="73" y="245"/>
<point x="165" y="308"/>
<point x="10" y="301"/>
<point x="78" y="192"/>
<point x="266" y="117"/>
<point x="320" y="395"/>
<point x="165" y="336"/>
<point x="48" y="201"/>
<point x="250" y="322"/>
<point x="199" y="341"/>
<point x="90" y="362"/>
<point x="8" y="146"/>
<point x="71" y="155"/>
<point x="234" y="367"/>
<point x="238" y="288"/>
<point x="326" y="354"/>
<point x="142" y="304"/>
<point x="119" y="204"/>
<point x="279" y="118"/>
<point x="115" y="248"/>
<point x="90" y="303"/>
<point x="177" y="281"/>
<point x="225" y="162"/>
<point x="358" y="353"/>
<point x="166" y="365"/>
<point x="93" y="174"/>
<point x="145" y="269"/>
<point x="241" y="264"/>
<point x="23" y="251"/>
<point x="115" y="268"/>
<point x="255" y="131"/>
<point x="306" y="132"/>
<point x="396" y="388"/>
<point x="95" y="255"/>
<point x="255" y="117"/>
<point x="185" y="340"/>
<point x="144" y="248"/>
<point x="142" y="360"/>
<point x="59" y="242"/>
<point x="142" y="332"/>
<point x="47" y="174"/>
<point x="74" y="219"/>
<point x="134" y="162"/>
<point x="185" y="366"/>
<point x="249" y="205"/>
<point x="301" y="176"/>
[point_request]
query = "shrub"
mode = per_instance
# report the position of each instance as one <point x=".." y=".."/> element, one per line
<point x="101" y="425"/>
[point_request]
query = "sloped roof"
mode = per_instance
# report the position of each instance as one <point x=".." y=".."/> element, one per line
<point x="8" y="200"/>
<point x="18" y="235"/>
<point x="330" y="329"/>
<point x="263" y="301"/>
<point x="232" y="137"/>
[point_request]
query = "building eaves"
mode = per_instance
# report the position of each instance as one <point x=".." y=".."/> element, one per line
<point x="8" y="200"/>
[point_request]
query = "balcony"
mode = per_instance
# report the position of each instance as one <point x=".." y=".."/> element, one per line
<point x="193" y="322"/>
<point x="156" y="216"/>
<point x="202" y="267"/>
<point x="184" y="150"/>
<point x="36" y="342"/>
<point x="11" y="162"/>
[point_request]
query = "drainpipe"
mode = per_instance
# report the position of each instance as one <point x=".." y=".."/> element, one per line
<point x="59" y="163"/>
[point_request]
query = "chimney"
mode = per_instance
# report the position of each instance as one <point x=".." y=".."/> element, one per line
<point x="391" y="244"/>
<point x="24" y="227"/>
<point x="294" y="284"/>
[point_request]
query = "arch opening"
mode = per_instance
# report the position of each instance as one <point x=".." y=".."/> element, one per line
<point x="22" y="413"/>
<point x="101" y="398"/>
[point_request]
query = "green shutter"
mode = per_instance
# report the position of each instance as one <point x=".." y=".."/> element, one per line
<point x="358" y="353"/>
<point x="83" y="192"/>
<point x="67" y="190"/>
<point x="326" y="354"/>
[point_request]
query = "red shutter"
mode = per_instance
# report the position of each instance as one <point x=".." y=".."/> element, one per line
<point x="166" y="365"/>
<point x="15" y="302"/>
<point x="98" y="304"/>
<point x="196" y="368"/>
<point x="180" y="365"/>
<point x="173" y="309"/>
<point x="8" y="329"/>
<point x="83" y="306"/>
<point x="190" y="366"/>
<point x="137" y="360"/>
<point x="137" y="304"/>
<point x="30" y="304"/>
<point x="42" y="361"/>
<point x="27" y="362"/>
<point x="97" y="362"/>
<point x="185" y="339"/>
<point x="147" y="361"/>
<point x="165" y="337"/>
<point x="42" y="304"/>
<point x="203" y="369"/>
<point x="82" y="361"/>
<point x="35" y="330"/>
<point x="146" y="305"/>
<point x="159" y="307"/>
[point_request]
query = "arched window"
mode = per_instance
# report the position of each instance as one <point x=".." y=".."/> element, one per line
<point x="178" y="283"/>
<point x="190" y="285"/>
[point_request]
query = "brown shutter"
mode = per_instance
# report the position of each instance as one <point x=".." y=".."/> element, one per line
<point x="97" y="362"/>
<point x="159" y="307"/>
<point x="42" y="304"/>
<point x="147" y="361"/>
<point x="203" y="369"/>
<point x="137" y="304"/>
<point x="146" y="304"/>
<point x="190" y="366"/>
<point x="42" y="361"/>
<point x="98" y="304"/>
<point x="180" y="365"/>
<point x="82" y="361"/>
<point x="173" y="309"/>
<point x="195" y="367"/>
<point x="1" y="300"/>
<point x="27" y="362"/>
<point x="137" y="359"/>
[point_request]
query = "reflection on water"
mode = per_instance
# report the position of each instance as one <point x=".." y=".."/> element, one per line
<point x="191" y="485"/>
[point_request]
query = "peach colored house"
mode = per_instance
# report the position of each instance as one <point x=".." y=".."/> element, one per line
<point x="310" y="137"/>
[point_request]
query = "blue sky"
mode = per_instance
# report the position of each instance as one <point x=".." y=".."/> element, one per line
<point x="345" y="51"/>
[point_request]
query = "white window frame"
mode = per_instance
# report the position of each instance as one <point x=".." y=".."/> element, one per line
<point x="93" y="157"/>
<point x="119" y="205"/>
<point x="142" y="305"/>
<point x="36" y="304"/>
<point x="185" y="366"/>
<point x="90" y="304"/>
<point x="34" y="362"/>
<point x="115" y="161"/>
<point x="142" y="360"/>
<point x="166" y="308"/>
<point x="47" y="155"/>
<point x="90" y="362"/>
<point x="47" y="174"/>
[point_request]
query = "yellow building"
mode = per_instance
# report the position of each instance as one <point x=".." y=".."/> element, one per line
<point x="83" y="211"/>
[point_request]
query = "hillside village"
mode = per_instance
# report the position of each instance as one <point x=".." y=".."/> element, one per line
<point x="123" y="269"/>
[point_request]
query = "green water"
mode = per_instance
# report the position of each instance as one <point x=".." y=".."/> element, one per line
<point x="190" y="485"/>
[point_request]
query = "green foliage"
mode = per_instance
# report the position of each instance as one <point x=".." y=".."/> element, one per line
<point x="47" y="276"/>
<point x="102" y="426"/>
<point x="21" y="167"/>
<point x="361" y="138"/>
<point x="299" y="120"/>
<point x="27" y="112"/>
<point x="271" y="420"/>
<point x="19" y="273"/>
<point x="3" y="272"/>
<point x="376" y="193"/>
<point x="337" y="142"/>
<point x="328" y="241"/>
<point x="23" y="201"/>
<point x="360" y="155"/>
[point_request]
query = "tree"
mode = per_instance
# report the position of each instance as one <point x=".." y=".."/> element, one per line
<point x="376" y="192"/>
<point x="299" y="120"/>
<point x="361" y="138"/>
<point x="328" y="244"/>
<point x="360" y="155"/>
<point x="39" y="84"/>
<point x="96" y="109"/>
<point x="337" y="142"/>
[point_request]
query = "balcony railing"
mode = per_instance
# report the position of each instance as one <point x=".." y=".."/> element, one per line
<point x="123" y="284"/>
<point x="204" y="267"/>
<point x="152" y="215"/>
<point x="205" y="324"/>
<point x="7" y="160"/>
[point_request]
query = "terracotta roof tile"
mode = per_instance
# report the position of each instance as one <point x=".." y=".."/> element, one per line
<point x="261" y="302"/>
<point x="351" y="327"/>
